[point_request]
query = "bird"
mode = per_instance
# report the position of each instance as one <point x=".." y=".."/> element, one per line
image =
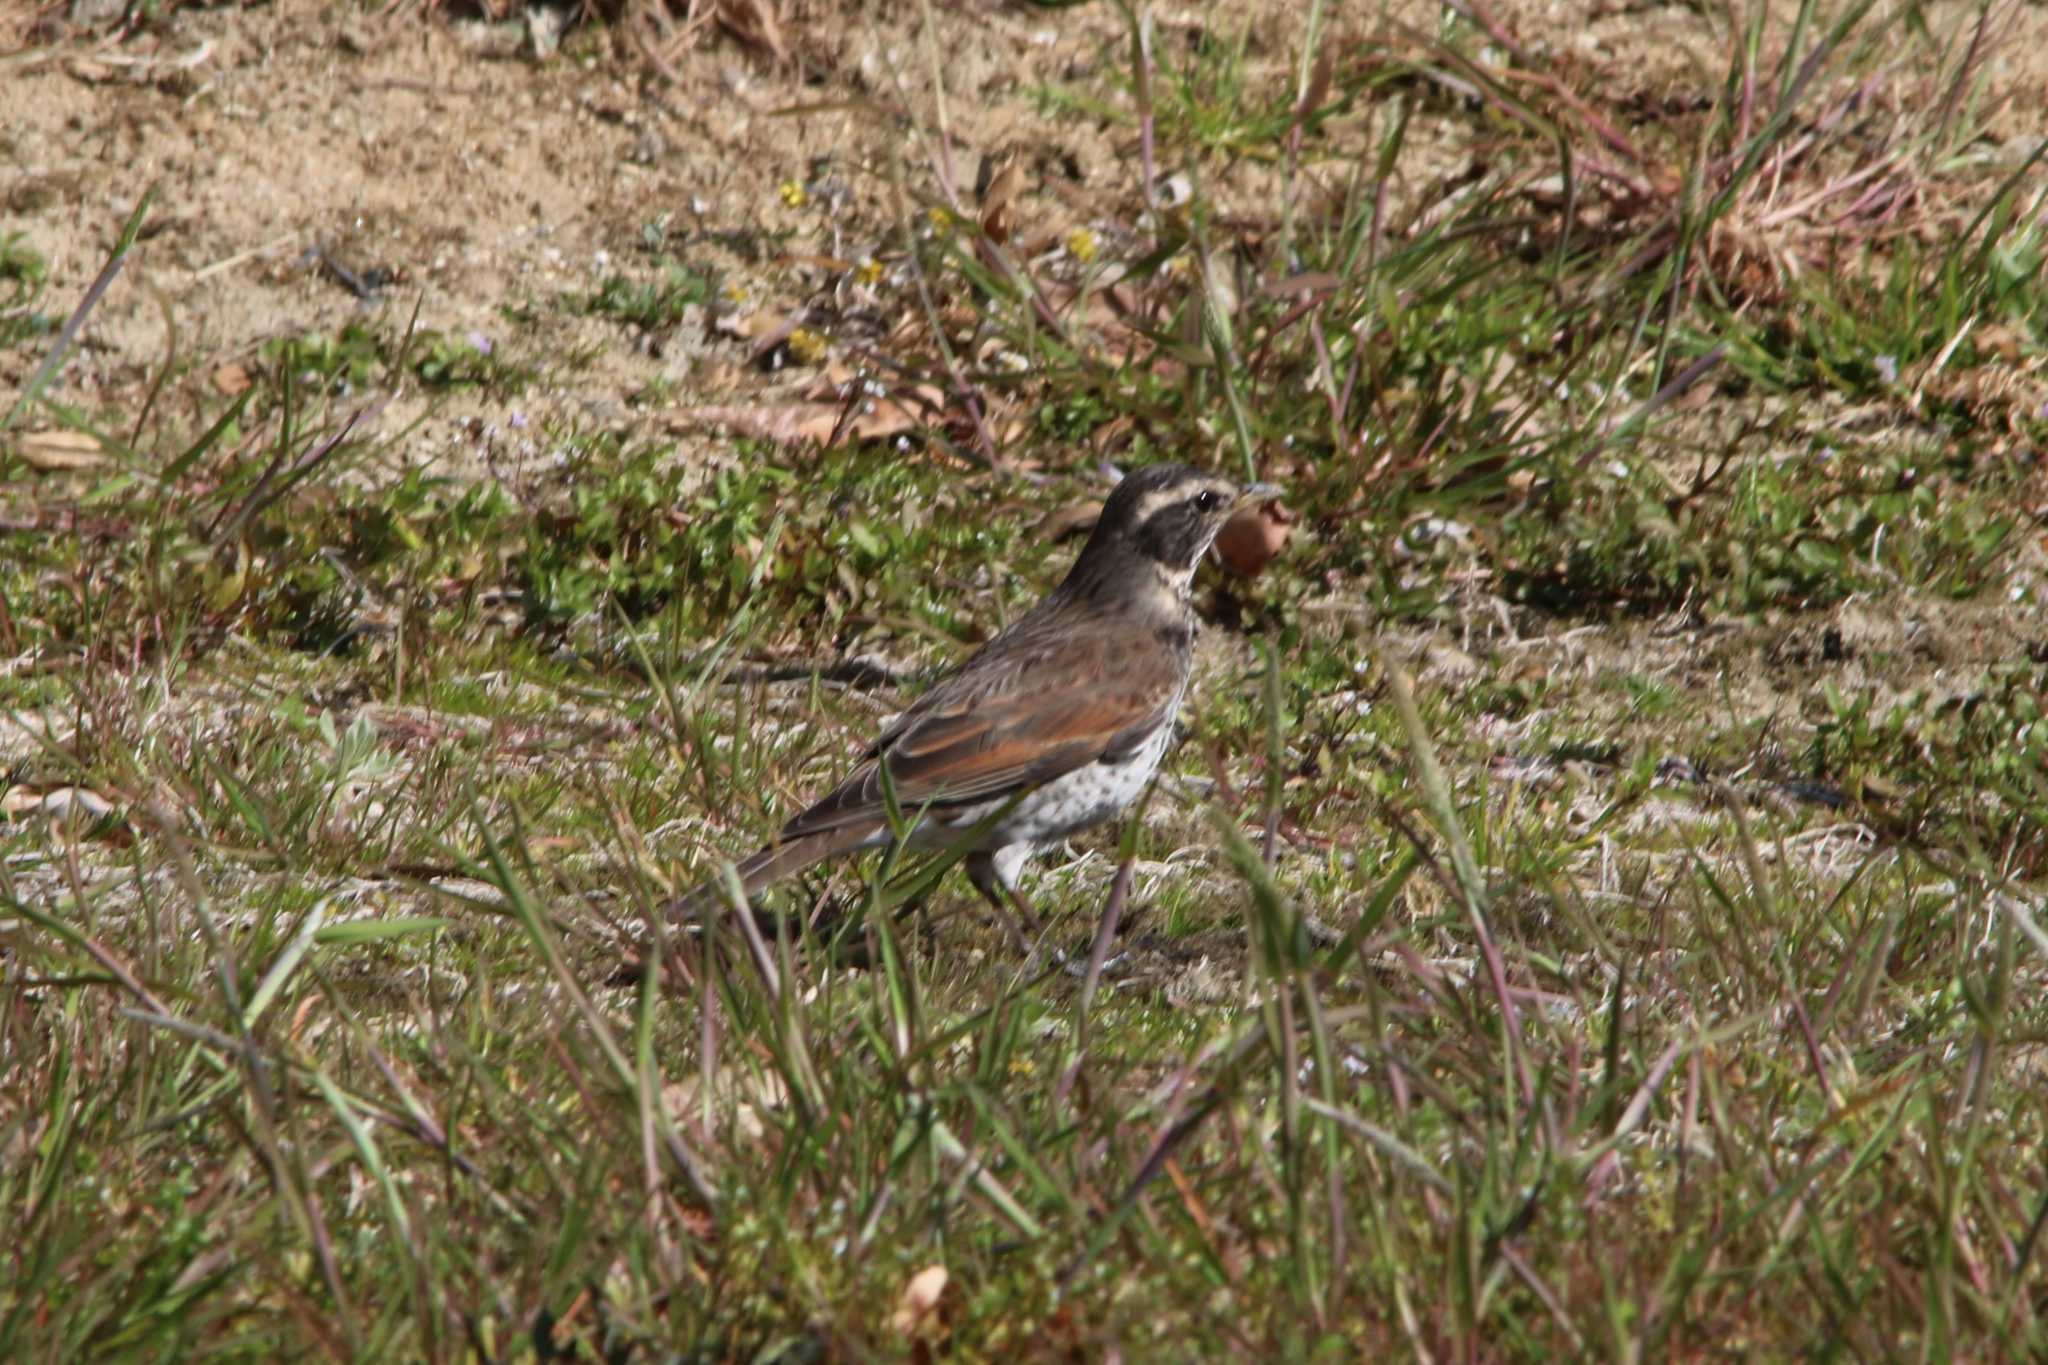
<point x="1056" y="724"/>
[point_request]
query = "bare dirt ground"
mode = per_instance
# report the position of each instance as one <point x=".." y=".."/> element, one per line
<point x="488" y="185"/>
<point x="484" y="178"/>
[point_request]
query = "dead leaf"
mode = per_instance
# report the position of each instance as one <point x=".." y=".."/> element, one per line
<point x="231" y="380"/>
<point x="27" y="733"/>
<point x="76" y="812"/>
<point x="998" y="203"/>
<point x="1252" y="536"/>
<point x="919" y="1304"/>
<point x="1070" y="520"/>
<point x="754" y="23"/>
<point x="875" y="419"/>
<point x="54" y="450"/>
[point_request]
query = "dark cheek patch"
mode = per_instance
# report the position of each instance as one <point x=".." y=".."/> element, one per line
<point x="1170" y="537"/>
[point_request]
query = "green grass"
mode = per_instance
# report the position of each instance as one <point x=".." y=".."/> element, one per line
<point x="22" y="274"/>
<point x="1657" y="972"/>
<point x="649" y="305"/>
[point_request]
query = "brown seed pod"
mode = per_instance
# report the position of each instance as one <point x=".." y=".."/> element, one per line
<point x="1250" y="539"/>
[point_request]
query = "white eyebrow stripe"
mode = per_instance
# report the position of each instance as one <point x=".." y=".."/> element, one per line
<point x="1153" y="502"/>
<point x="1159" y="499"/>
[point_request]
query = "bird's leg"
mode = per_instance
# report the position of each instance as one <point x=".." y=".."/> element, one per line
<point x="981" y="870"/>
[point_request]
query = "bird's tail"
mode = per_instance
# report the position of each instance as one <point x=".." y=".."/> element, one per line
<point x="766" y="867"/>
<point x="771" y="864"/>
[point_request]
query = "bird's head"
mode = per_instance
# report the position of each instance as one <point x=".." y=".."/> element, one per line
<point x="1168" y="515"/>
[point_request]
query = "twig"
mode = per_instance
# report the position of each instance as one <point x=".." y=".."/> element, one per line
<point x="230" y="262"/>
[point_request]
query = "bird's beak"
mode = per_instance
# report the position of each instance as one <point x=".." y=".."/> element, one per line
<point x="1254" y="494"/>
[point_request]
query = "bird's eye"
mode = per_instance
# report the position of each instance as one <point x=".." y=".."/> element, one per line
<point x="1207" y="501"/>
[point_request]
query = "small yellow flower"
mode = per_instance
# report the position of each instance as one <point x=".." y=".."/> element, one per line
<point x="868" y="271"/>
<point x="793" y="194"/>
<point x="735" y="292"/>
<point x="806" y="347"/>
<point x="941" y="221"/>
<point x="1081" y="244"/>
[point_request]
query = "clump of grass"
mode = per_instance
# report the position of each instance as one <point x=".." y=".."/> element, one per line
<point x="360" y="354"/>
<point x="652" y="305"/>
<point x="22" y="274"/>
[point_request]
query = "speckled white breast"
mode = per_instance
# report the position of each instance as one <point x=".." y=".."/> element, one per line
<point x="1087" y="796"/>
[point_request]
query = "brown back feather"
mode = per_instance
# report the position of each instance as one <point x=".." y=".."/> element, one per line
<point x="1041" y="700"/>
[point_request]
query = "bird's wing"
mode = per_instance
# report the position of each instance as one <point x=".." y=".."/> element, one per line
<point x="1007" y="722"/>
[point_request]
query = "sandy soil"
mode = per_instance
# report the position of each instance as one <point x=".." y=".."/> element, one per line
<point x="486" y="179"/>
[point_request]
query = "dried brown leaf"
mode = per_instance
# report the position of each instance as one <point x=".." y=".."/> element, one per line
<point x="72" y="812"/>
<point x="1072" y="519"/>
<point x="999" y="203"/>
<point x="754" y="22"/>
<point x="52" y="451"/>
<point x="918" y="1306"/>
<point x="787" y="423"/>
